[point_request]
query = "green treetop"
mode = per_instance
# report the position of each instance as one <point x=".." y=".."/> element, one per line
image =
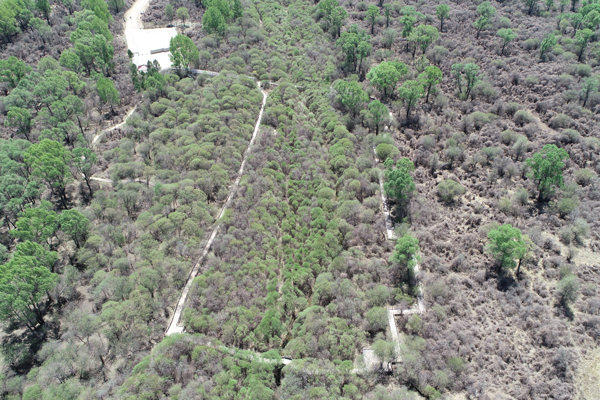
<point x="37" y="224"/>
<point x="238" y="9"/>
<point x="406" y="251"/>
<point x="100" y="9"/>
<point x="377" y="115"/>
<point x="49" y="161"/>
<point x="169" y="13"/>
<point x="107" y="92"/>
<point x="430" y="78"/>
<point x="442" y="12"/>
<point x="24" y="282"/>
<point x="372" y="15"/>
<point x="423" y="36"/>
<point x="350" y="94"/>
<point x="590" y="85"/>
<point x="116" y="5"/>
<point x="576" y="20"/>
<point x="399" y="183"/>
<point x="407" y="22"/>
<point x="387" y="12"/>
<point x="507" y="36"/>
<point x="531" y="5"/>
<point x="223" y="6"/>
<point x="506" y="244"/>
<point x="581" y="40"/>
<point x="547" y="44"/>
<point x="333" y="14"/>
<point x="74" y="224"/>
<point x="43" y="6"/>
<point x="546" y="169"/>
<point x="213" y="21"/>
<point x="386" y="75"/>
<point x="184" y="52"/>
<point x="21" y="119"/>
<point x="355" y="45"/>
<point x="45" y="257"/>
<point x="485" y="11"/>
<point x="410" y="92"/>
<point x="338" y="16"/>
<point x="12" y="70"/>
<point x="467" y="75"/>
<point x="182" y="14"/>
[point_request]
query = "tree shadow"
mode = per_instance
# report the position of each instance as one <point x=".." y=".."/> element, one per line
<point x="565" y="309"/>
<point x="19" y="348"/>
<point x="505" y="280"/>
<point x="413" y="121"/>
<point x="84" y="193"/>
<point x="398" y="216"/>
<point x="569" y="313"/>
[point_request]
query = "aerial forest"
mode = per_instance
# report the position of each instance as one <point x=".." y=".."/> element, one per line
<point x="299" y="199"/>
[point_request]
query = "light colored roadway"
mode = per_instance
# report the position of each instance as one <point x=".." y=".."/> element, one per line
<point x="141" y="41"/>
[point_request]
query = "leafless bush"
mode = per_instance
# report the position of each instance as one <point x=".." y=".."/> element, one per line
<point x="437" y="264"/>
<point x="531" y="130"/>
<point x="523" y="117"/>
<point x="560" y="121"/>
<point x="565" y="362"/>
<point x="516" y="78"/>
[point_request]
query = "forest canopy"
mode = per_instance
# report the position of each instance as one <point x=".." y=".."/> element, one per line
<point x="308" y="199"/>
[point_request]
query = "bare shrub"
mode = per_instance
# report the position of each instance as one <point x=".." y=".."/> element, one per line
<point x="581" y="230"/>
<point x="449" y="190"/>
<point x="511" y="108"/>
<point x="560" y="121"/>
<point x="508" y="137"/>
<point x="523" y="117"/>
<point x="516" y="78"/>
<point x="565" y="362"/>
<point x="521" y="196"/>
<point x="584" y="176"/>
<point x="570" y="136"/>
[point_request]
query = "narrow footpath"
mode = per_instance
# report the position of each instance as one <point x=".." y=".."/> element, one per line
<point x="420" y="306"/>
<point x="174" y="324"/>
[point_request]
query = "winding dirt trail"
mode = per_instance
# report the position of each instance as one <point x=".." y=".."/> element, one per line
<point x="120" y="124"/>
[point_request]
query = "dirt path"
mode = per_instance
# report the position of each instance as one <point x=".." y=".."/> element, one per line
<point x="141" y="42"/>
<point x="420" y="306"/>
<point x="120" y="124"/>
<point x="386" y="211"/>
<point x="106" y="180"/>
<point x="174" y="326"/>
<point x="539" y="122"/>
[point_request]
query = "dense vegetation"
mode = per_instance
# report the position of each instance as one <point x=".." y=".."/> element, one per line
<point x="476" y="119"/>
